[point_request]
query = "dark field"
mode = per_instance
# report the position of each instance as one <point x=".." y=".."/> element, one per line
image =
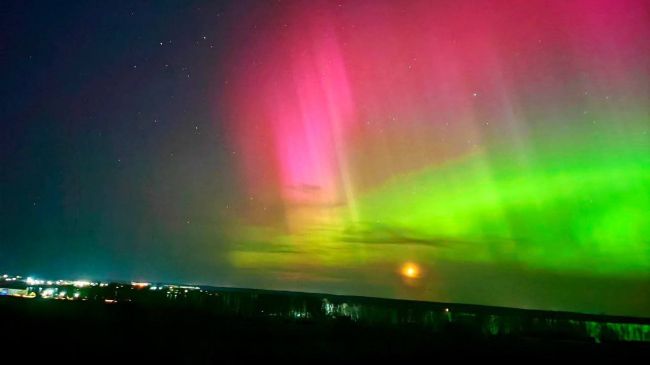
<point x="204" y="332"/>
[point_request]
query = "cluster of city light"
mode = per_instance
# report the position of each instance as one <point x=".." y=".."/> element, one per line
<point x="47" y="289"/>
<point x="140" y="284"/>
<point x="71" y="289"/>
<point x="32" y="281"/>
<point x="47" y="293"/>
<point x="83" y="283"/>
<point x="183" y="287"/>
<point x="11" y="278"/>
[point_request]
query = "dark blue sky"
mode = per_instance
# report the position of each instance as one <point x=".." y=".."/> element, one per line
<point x="112" y="140"/>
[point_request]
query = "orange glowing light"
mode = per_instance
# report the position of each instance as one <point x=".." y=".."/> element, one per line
<point x="411" y="271"/>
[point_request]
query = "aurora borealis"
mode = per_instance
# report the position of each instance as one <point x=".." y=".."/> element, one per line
<point x="501" y="148"/>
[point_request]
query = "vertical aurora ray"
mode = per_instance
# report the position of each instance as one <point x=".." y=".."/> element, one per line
<point x="447" y="133"/>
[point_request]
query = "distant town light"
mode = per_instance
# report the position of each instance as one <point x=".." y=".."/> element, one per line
<point x="47" y="293"/>
<point x="32" y="281"/>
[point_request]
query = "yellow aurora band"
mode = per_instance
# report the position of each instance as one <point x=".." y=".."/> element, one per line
<point x="574" y="207"/>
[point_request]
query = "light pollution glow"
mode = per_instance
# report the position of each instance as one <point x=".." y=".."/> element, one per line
<point x="377" y="133"/>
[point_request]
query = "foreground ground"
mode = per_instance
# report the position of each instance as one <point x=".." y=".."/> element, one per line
<point x="93" y="331"/>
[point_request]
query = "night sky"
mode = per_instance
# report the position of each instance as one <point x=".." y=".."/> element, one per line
<point x="488" y="152"/>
